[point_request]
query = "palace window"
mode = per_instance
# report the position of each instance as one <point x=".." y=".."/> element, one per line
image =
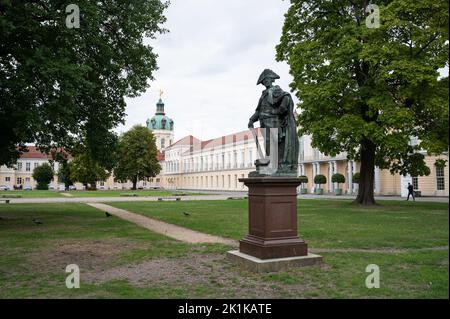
<point x="415" y="182"/>
<point x="7" y="179"/>
<point x="440" y="179"/>
<point x="19" y="166"/>
<point x="27" y="179"/>
<point x="19" y="180"/>
<point x="27" y="167"/>
<point x="163" y="143"/>
<point x="36" y="165"/>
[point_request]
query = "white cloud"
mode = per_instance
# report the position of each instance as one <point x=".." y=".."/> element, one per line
<point x="209" y="63"/>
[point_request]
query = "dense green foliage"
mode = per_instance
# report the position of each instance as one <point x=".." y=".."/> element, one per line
<point x="86" y="170"/>
<point x="303" y="179"/>
<point x="64" y="174"/>
<point x="320" y="179"/>
<point x="58" y="82"/>
<point x="43" y="175"/>
<point x="338" y="178"/>
<point x="367" y="91"/>
<point x="136" y="156"/>
<point x="356" y="177"/>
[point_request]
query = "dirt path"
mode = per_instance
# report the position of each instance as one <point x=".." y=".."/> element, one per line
<point x="170" y="230"/>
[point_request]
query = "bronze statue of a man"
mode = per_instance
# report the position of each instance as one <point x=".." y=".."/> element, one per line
<point x="275" y="110"/>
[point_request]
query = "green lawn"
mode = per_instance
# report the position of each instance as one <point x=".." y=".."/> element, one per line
<point x="322" y="223"/>
<point x="120" y="260"/>
<point x="98" y="193"/>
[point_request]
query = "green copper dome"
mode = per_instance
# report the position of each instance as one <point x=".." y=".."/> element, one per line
<point x="160" y="121"/>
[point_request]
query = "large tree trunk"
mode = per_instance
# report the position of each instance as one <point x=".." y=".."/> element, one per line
<point x="134" y="183"/>
<point x="367" y="174"/>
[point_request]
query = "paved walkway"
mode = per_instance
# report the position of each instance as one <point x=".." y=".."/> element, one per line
<point x="221" y="196"/>
<point x="66" y="194"/>
<point x="170" y="230"/>
<point x="325" y="196"/>
<point x="42" y="200"/>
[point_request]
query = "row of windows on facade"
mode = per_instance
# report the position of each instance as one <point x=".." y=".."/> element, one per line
<point x="20" y="180"/>
<point x="202" y="164"/>
<point x="144" y="182"/>
<point x="19" y="166"/>
<point x="209" y="181"/>
<point x="440" y="180"/>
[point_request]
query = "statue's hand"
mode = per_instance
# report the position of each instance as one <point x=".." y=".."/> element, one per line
<point x="250" y="124"/>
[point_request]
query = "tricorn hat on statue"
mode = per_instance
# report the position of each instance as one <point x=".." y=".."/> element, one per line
<point x="267" y="73"/>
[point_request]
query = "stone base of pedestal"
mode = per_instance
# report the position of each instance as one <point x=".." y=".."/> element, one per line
<point x="253" y="264"/>
<point x="265" y="248"/>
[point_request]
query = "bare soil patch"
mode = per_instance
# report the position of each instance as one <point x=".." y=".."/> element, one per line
<point x="92" y="255"/>
<point x="212" y="271"/>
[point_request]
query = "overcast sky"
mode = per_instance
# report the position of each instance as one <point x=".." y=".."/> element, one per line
<point x="209" y="63"/>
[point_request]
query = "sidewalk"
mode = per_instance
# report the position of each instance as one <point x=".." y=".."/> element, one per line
<point x="325" y="196"/>
<point x="215" y="195"/>
<point x="170" y="230"/>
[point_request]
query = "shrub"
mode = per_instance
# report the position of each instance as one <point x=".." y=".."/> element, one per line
<point x="320" y="179"/>
<point x="43" y="175"/>
<point x="303" y="179"/>
<point x="338" y="178"/>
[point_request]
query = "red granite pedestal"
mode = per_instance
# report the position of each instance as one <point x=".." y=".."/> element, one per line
<point x="272" y="243"/>
<point x="272" y="208"/>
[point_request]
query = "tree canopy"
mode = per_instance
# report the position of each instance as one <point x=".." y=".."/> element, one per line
<point x="43" y="175"/>
<point x="86" y="170"/>
<point x="136" y="156"/>
<point x="57" y="82"/>
<point x="368" y="90"/>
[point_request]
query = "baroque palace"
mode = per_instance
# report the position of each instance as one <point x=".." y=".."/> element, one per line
<point x="217" y="164"/>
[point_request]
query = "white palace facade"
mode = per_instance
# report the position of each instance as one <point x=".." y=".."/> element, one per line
<point x="217" y="164"/>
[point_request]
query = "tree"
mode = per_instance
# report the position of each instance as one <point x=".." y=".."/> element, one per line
<point x="136" y="156"/>
<point x="366" y="91"/>
<point x="43" y="175"/>
<point x="320" y="179"/>
<point x="64" y="173"/>
<point x="338" y="178"/>
<point x="86" y="170"/>
<point x="57" y="82"/>
<point x="303" y="179"/>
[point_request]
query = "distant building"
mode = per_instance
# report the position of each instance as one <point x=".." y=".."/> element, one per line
<point x="217" y="164"/>
<point x="21" y="173"/>
<point x="161" y="126"/>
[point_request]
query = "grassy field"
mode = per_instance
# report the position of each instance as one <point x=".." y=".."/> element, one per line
<point x="322" y="223"/>
<point x="98" y="193"/>
<point x="120" y="260"/>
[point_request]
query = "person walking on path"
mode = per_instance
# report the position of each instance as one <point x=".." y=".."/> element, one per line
<point x="411" y="192"/>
